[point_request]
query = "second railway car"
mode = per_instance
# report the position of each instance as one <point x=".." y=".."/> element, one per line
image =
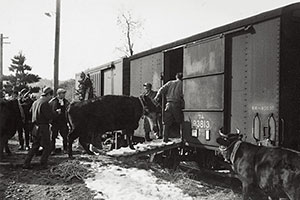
<point x="242" y="76"/>
<point x="110" y="78"/>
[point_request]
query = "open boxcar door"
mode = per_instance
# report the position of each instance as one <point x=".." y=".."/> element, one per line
<point x="203" y="87"/>
<point x="172" y="64"/>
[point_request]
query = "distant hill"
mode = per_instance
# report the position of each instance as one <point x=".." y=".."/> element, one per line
<point x="68" y="85"/>
<point x="43" y="83"/>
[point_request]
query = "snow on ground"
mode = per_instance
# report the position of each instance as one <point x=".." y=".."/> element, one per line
<point x="118" y="183"/>
<point x="141" y="147"/>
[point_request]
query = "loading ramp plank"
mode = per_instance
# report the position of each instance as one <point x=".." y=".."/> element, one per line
<point x="147" y="148"/>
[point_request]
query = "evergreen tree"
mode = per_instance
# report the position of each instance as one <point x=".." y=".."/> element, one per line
<point x="20" y="77"/>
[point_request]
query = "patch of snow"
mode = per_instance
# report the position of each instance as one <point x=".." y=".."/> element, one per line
<point x="117" y="183"/>
<point x="121" y="151"/>
<point x="141" y="147"/>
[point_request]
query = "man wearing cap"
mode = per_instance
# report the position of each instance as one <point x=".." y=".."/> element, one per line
<point x="60" y="124"/>
<point x="41" y="116"/>
<point x="158" y="123"/>
<point x="173" y="115"/>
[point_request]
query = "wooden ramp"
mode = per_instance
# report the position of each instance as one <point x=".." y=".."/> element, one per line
<point x="147" y="148"/>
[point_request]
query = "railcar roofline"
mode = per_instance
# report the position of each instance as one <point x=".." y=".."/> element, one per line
<point x="219" y="30"/>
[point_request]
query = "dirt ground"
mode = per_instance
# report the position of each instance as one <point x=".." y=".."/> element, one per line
<point x="37" y="184"/>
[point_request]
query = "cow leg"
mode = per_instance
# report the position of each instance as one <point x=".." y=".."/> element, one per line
<point x="129" y="134"/>
<point x="85" y="146"/>
<point x="71" y="137"/>
<point x="97" y="141"/>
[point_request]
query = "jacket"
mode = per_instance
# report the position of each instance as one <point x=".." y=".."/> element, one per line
<point x="172" y="90"/>
<point x="42" y="112"/>
<point x="55" y="104"/>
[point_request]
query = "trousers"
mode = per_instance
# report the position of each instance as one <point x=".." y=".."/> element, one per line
<point x="156" y="125"/>
<point x="173" y="117"/>
<point x="40" y="137"/>
<point x="26" y="128"/>
<point x="63" y="129"/>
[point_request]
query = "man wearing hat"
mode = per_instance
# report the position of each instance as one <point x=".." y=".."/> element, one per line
<point x="60" y="123"/>
<point x="158" y="123"/>
<point x="42" y="114"/>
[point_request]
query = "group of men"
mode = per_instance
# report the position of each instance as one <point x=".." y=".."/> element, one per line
<point x="172" y="94"/>
<point x="42" y="119"/>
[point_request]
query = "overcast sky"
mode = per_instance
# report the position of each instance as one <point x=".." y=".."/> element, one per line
<point x="89" y="31"/>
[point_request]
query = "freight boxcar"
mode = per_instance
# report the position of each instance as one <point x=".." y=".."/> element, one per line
<point x="242" y="76"/>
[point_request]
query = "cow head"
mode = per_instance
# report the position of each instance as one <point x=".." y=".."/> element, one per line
<point x="227" y="141"/>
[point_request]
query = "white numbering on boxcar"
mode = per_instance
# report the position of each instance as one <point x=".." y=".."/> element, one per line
<point x="263" y="107"/>
<point x="201" y="124"/>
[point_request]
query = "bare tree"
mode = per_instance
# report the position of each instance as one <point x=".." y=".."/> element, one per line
<point x="131" y="28"/>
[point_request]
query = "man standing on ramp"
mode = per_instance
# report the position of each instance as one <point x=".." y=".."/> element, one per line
<point x="173" y="116"/>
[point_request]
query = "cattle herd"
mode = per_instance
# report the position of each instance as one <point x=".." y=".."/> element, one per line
<point x="275" y="170"/>
<point x="268" y="168"/>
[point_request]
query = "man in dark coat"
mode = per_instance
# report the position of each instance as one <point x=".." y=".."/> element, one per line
<point x="60" y="123"/>
<point x="41" y="116"/>
<point x="173" y="115"/>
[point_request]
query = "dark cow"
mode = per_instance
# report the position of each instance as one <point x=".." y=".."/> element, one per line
<point x="90" y="119"/>
<point x="10" y="117"/>
<point x="275" y="170"/>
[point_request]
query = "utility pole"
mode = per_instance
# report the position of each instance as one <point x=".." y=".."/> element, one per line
<point x="56" y="53"/>
<point x="1" y="63"/>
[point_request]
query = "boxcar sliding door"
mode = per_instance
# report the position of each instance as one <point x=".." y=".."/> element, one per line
<point x="203" y="86"/>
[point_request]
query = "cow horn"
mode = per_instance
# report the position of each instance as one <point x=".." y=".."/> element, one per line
<point x="222" y="134"/>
